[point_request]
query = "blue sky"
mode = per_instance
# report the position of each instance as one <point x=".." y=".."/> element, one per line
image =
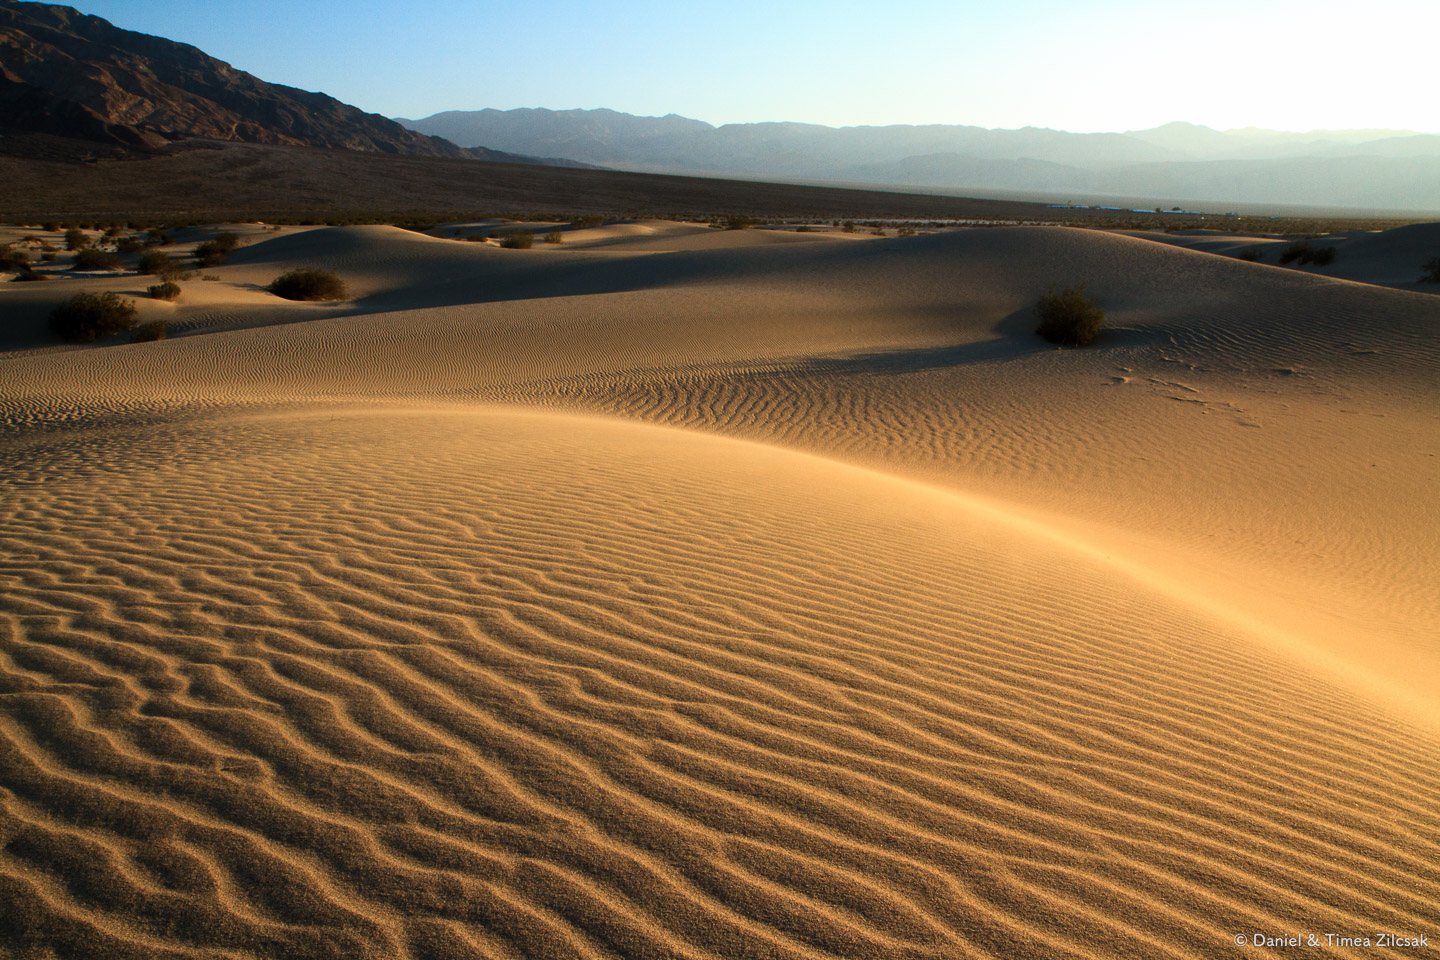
<point x="1101" y="65"/>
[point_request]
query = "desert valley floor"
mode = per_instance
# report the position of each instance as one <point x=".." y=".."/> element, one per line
<point x="671" y="592"/>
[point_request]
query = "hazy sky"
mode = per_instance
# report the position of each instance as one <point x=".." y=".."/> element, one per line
<point x="1083" y="66"/>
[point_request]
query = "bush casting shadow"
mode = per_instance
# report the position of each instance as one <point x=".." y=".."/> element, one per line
<point x="148" y="332"/>
<point x="1069" y="318"/>
<point x="90" y="316"/>
<point x="92" y="259"/>
<point x="519" y="240"/>
<point x="308" y="284"/>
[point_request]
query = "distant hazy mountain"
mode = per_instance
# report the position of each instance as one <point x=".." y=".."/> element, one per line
<point x="1180" y="162"/>
<point x="67" y="74"/>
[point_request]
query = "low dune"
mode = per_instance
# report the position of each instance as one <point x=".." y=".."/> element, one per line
<point x="677" y="592"/>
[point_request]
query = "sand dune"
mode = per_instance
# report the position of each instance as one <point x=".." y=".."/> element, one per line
<point x="678" y="592"/>
<point x="1392" y="258"/>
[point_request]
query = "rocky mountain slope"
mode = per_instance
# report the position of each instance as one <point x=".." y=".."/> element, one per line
<point x="67" y="74"/>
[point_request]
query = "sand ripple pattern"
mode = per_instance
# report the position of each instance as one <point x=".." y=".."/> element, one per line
<point x="428" y="685"/>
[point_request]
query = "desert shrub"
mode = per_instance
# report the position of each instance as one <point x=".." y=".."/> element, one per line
<point x="213" y="252"/>
<point x="89" y="316"/>
<point x="148" y="332"/>
<point x="907" y="231"/>
<point x="308" y="284"/>
<point x="129" y="245"/>
<point x="156" y="264"/>
<point x="1432" y="271"/>
<point x="12" y="258"/>
<point x="164" y="291"/>
<point x="26" y="275"/>
<point x="1069" y="318"/>
<point x="519" y="240"/>
<point x="92" y="259"/>
<point x="1306" y="254"/>
<point x="1295" y="251"/>
<point x="203" y="276"/>
<point x="50" y="226"/>
<point x="879" y="231"/>
<point x="1249" y="254"/>
<point x="848" y="226"/>
<point x="159" y="237"/>
<point x="803" y="228"/>
<point x="76" y="239"/>
<point x="738" y="222"/>
<point x="48" y="255"/>
<point x="554" y="236"/>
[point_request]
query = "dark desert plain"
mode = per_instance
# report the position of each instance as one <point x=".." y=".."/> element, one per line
<point x="637" y="566"/>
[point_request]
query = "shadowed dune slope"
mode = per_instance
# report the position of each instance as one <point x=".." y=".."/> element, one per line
<point x="427" y="683"/>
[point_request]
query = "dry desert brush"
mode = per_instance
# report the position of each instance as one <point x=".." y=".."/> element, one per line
<point x="308" y="283"/>
<point x="519" y="240"/>
<point x="1432" y="271"/>
<point x="212" y="253"/>
<point x="1306" y="254"/>
<point x="90" y="258"/>
<point x="91" y="316"/>
<point x="1069" y="318"/>
<point x="164" y="291"/>
<point x="157" y="264"/>
<point x="149" y="332"/>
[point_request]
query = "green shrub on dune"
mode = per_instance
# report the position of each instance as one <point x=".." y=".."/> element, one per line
<point x="1069" y="318"/>
<point x="308" y="284"/>
<point x="90" y="316"/>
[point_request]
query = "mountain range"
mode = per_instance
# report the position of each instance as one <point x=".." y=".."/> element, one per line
<point x="71" y="75"/>
<point x="1179" y="162"/>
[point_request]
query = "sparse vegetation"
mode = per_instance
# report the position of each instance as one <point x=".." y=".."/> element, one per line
<point x="164" y="291"/>
<point x="26" y="275"/>
<point x="308" y="284"/>
<point x="13" y="259"/>
<point x="90" y="316"/>
<point x="93" y="259"/>
<point x="1302" y="251"/>
<point x="848" y="226"/>
<point x="76" y="239"/>
<point x="156" y="264"/>
<point x="1069" y="318"/>
<point x="1432" y="271"/>
<point x="804" y="228"/>
<point x="738" y="222"/>
<point x="129" y="245"/>
<point x="518" y="240"/>
<point x="1249" y="254"/>
<point x="554" y="236"/>
<point x="149" y="332"/>
<point x="212" y="253"/>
